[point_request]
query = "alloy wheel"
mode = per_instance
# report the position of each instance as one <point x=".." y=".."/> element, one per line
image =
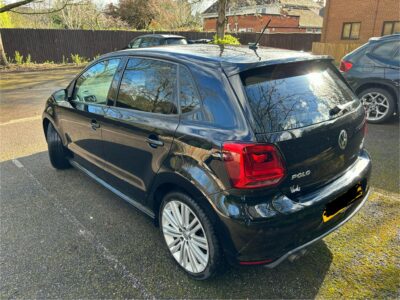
<point x="185" y="236"/>
<point x="376" y="106"/>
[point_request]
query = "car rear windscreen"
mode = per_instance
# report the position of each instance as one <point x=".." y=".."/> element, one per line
<point x="294" y="95"/>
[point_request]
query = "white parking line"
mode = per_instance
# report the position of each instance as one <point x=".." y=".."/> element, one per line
<point x="17" y="163"/>
<point x="90" y="237"/>
<point x="21" y="120"/>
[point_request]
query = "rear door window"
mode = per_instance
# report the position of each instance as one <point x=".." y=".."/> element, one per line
<point x="149" y="42"/>
<point x="295" y="95"/>
<point x="149" y="85"/>
<point x="385" y="52"/>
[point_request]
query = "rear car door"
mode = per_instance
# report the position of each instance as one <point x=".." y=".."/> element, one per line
<point x="388" y="55"/>
<point x="139" y="130"/>
<point x="81" y="123"/>
<point x="392" y="72"/>
<point x="380" y="58"/>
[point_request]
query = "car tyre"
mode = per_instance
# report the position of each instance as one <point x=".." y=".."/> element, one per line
<point x="385" y="98"/>
<point x="175" y="204"/>
<point x="57" y="152"/>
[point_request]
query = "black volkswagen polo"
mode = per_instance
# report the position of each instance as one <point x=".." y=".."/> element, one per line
<point x="237" y="154"/>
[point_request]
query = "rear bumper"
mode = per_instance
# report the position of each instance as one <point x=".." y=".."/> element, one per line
<point x="277" y="226"/>
<point x="293" y="251"/>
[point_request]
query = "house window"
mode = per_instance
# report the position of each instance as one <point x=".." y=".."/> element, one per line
<point x="390" y="27"/>
<point x="351" y="31"/>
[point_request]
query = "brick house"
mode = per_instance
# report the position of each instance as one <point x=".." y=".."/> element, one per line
<point x="355" y="21"/>
<point x="285" y="15"/>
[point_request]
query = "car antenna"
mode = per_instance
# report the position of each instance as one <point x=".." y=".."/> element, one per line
<point x="255" y="45"/>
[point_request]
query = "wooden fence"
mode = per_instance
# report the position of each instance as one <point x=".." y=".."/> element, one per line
<point x="336" y="50"/>
<point x="58" y="44"/>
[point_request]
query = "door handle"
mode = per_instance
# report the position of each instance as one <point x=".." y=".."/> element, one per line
<point x="94" y="124"/>
<point x="154" y="142"/>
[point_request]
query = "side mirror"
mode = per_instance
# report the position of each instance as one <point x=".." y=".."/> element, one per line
<point x="60" y="95"/>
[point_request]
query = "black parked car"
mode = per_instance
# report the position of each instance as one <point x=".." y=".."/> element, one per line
<point x="243" y="155"/>
<point x="373" y="71"/>
<point x="152" y="40"/>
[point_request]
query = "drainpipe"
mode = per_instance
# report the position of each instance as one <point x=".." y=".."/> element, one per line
<point x="376" y="15"/>
<point x="325" y="21"/>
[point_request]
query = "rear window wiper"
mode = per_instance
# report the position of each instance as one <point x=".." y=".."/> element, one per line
<point x="339" y="109"/>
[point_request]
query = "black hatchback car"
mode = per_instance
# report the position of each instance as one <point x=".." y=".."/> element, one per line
<point x="373" y="71"/>
<point x="239" y="155"/>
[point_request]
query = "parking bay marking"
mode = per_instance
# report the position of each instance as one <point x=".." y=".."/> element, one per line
<point x="15" y="121"/>
<point x="17" y="163"/>
<point x="89" y="236"/>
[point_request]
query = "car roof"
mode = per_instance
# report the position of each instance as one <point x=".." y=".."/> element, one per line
<point x="165" y="36"/>
<point x="233" y="59"/>
<point x="385" y="38"/>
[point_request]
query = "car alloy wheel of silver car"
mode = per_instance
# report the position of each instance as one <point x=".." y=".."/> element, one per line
<point x="376" y="105"/>
<point x="185" y="236"/>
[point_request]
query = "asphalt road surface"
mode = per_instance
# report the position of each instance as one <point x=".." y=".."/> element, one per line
<point x="65" y="236"/>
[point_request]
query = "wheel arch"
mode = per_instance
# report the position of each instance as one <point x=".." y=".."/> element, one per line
<point x="169" y="182"/>
<point x="46" y="121"/>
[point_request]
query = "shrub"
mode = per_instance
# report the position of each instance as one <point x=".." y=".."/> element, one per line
<point x="227" y="40"/>
<point x="19" y="59"/>
<point x="76" y="59"/>
<point x="28" y="60"/>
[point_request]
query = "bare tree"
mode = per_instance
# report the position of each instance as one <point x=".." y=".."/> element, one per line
<point x="172" y="15"/>
<point x="221" y="20"/>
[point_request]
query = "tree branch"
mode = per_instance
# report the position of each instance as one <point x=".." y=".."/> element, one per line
<point x="10" y="6"/>
<point x="44" y="12"/>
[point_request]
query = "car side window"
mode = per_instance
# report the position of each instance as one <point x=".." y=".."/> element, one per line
<point x="385" y="51"/>
<point x="155" y="42"/>
<point x="93" y="85"/>
<point x="148" y="42"/>
<point x="149" y="85"/>
<point x="135" y="43"/>
<point x="188" y="96"/>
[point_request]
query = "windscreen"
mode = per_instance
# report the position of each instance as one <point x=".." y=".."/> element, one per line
<point x="294" y="95"/>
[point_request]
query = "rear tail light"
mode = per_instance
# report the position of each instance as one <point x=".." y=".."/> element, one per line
<point x="253" y="165"/>
<point x="345" y="66"/>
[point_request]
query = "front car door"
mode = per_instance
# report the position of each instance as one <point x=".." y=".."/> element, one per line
<point x="81" y="123"/>
<point x="138" y="131"/>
